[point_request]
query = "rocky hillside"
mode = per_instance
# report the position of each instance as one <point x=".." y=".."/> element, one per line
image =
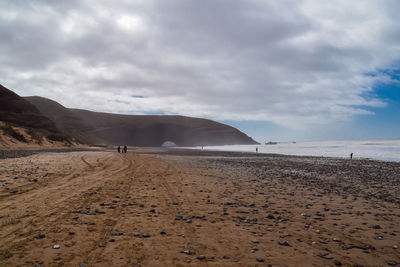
<point x="138" y="130"/>
<point x="16" y="110"/>
<point x="90" y="127"/>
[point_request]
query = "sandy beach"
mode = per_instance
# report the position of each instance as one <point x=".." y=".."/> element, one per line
<point x="161" y="207"/>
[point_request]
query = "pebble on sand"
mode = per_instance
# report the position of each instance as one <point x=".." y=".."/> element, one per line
<point x="41" y="236"/>
<point x="146" y="235"/>
<point x="56" y="246"/>
<point x="188" y="252"/>
<point x="284" y="243"/>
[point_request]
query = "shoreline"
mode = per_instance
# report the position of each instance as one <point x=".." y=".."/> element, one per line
<point x="385" y="150"/>
<point x="23" y="152"/>
<point x="224" y="153"/>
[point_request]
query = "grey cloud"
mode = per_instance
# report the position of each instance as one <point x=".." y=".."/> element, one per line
<point x="288" y="62"/>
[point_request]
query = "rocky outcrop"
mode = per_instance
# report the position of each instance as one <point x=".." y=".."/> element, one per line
<point x="113" y="129"/>
<point x="138" y="130"/>
<point x="16" y="110"/>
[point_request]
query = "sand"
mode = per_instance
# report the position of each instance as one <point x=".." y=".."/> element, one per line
<point x="193" y="208"/>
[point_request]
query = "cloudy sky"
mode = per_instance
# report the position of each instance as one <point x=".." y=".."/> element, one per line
<point x="278" y="70"/>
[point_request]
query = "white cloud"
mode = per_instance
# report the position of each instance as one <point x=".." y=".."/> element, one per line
<point x="130" y="23"/>
<point x="294" y="63"/>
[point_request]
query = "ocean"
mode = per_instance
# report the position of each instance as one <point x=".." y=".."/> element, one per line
<point x="386" y="150"/>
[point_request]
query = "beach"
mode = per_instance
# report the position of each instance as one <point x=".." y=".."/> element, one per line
<point x="178" y="207"/>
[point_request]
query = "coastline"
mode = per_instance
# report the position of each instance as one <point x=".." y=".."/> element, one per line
<point x="198" y="208"/>
<point x="385" y="150"/>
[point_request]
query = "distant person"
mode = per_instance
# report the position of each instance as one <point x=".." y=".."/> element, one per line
<point x="119" y="149"/>
<point x="256" y="149"/>
<point x="351" y="155"/>
<point x="125" y="149"/>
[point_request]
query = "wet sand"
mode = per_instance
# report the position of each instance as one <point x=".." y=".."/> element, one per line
<point x="195" y="208"/>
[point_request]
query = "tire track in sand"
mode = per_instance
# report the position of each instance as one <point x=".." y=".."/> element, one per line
<point x="95" y="255"/>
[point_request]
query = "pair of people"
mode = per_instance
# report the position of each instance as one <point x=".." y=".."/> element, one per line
<point x="123" y="150"/>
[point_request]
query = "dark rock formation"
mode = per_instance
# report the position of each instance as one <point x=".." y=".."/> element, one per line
<point x="106" y="128"/>
<point x="138" y="130"/>
<point x="18" y="111"/>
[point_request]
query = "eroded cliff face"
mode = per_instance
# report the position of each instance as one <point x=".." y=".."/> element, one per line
<point x="138" y="130"/>
<point x="106" y="128"/>
<point x="17" y="110"/>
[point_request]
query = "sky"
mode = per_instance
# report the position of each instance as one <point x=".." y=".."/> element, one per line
<point x="277" y="70"/>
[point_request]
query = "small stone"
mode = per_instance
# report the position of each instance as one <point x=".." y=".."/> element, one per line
<point x="111" y="240"/>
<point x="116" y="233"/>
<point x="201" y="257"/>
<point x="255" y="241"/>
<point x="188" y="252"/>
<point x="146" y="235"/>
<point x="163" y="233"/>
<point x="325" y="256"/>
<point x="41" y="236"/>
<point x="71" y="233"/>
<point x="36" y="265"/>
<point x="56" y="246"/>
<point x="337" y="263"/>
<point x="260" y="259"/>
<point x="284" y="243"/>
<point x="136" y="234"/>
<point x="376" y="226"/>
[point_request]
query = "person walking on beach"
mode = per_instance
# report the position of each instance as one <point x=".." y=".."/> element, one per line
<point x="256" y="149"/>
<point x="119" y="149"/>
<point x="351" y="155"/>
<point x="125" y="149"/>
